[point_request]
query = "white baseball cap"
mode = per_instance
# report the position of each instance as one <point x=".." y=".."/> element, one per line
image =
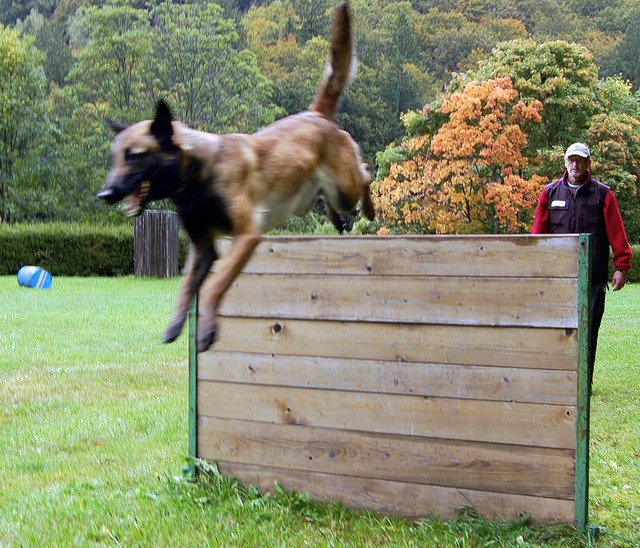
<point x="578" y="149"/>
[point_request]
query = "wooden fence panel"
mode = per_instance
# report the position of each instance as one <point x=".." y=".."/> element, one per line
<point x="411" y="375"/>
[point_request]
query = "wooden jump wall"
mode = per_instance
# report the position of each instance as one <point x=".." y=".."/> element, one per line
<point x="410" y="375"/>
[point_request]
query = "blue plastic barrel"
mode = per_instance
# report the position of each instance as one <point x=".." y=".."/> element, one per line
<point x="34" y="276"/>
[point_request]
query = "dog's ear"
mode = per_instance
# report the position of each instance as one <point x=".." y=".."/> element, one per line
<point x="115" y="126"/>
<point x="161" y="127"/>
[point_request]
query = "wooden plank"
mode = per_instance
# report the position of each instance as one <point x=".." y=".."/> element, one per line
<point x="514" y="423"/>
<point x="424" y="379"/>
<point x="535" y="348"/>
<point x="450" y="300"/>
<point x="402" y="499"/>
<point x="486" y="467"/>
<point x="484" y="255"/>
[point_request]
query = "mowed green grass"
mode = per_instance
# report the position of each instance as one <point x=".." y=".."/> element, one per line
<point x="615" y="419"/>
<point x="93" y="436"/>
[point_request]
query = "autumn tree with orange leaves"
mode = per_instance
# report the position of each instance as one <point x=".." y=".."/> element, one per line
<point x="471" y="175"/>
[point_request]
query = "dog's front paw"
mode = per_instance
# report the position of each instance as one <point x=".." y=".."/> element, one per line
<point x="173" y="331"/>
<point x="207" y="330"/>
<point x="206" y="339"/>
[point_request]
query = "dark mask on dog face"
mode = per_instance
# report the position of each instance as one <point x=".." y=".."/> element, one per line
<point x="146" y="164"/>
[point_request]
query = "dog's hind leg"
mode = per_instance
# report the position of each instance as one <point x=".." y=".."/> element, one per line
<point x="201" y="257"/>
<point x="214" y="289"/>
<point x="365" y="197"/>
<point x="350" y="181"/>
<point x="337" y="220"/>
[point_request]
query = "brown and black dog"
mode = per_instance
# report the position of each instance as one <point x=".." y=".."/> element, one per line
<point x="240" y="185"/>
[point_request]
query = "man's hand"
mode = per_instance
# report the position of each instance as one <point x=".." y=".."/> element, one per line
<point x="619" y="279"/>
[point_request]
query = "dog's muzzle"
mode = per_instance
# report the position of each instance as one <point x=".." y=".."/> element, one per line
<point x="110" y="195"/>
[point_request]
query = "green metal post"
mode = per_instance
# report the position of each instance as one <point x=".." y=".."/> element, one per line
<point x="193" y="398"/>
<point x="582" y="419"/>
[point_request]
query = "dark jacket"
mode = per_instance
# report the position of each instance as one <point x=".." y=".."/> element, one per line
<point x="592" y="209"/>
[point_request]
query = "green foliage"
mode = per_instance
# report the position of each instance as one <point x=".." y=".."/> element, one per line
<point x="389" y="79"/>
<point x="239" y="65"/>
<point x="133" y="57"/>
<point x="14" y="10"/>
<point x="615" y="141"/>
<point x="629" y="50"/>
<point x="295" y="68"/>
<point x="449" y="38"/>
<point x="111" y="69"/>
<point x="49" y="38"/>
<point x="24" y="121"/>
<point x="365" y="114"/>
<point x="559" y="75"/>
<point x="67" y="249"/>
<point x="222" y="91"/>
<point x="312" y="223"/>
<point x="128" y="58"/>
<point x="314" y="17"/>
<point x="633" y="276"/>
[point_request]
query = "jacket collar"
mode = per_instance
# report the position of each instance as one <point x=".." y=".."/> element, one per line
<point x="587" y="186"/>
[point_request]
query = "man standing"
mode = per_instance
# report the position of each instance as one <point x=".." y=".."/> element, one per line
<point x="578" y="203"/>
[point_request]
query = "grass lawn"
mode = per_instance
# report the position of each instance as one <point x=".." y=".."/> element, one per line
<point x="93" y="431"/>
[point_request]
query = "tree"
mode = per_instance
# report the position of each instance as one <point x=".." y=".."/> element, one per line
<point x="614" y="138"/>
<point x="49" y="38"/>
<point x="272" y="35"/>
<point x="404" y="83"/>
<point x="264" y="26"/>
<point x="448" y="39"/>
<point x="629" y="51"/>
<point x="13" y="10"/>
<point x="472" y="174"/>
<point x="365" y="114"/>
<point x="314" y="16"/>
<point x="222" y="90"/>
<point x="24" y="121"/>
<point x="589" y="8"/>
<point x="558" y="74"/>
<point x="187" y="53"/>
<point x="111" y="71"/>
<point x="383" y="87"/>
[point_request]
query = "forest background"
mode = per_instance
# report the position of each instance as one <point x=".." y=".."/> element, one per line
<point x="463" y="108"/>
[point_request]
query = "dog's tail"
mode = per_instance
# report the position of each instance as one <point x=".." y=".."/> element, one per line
<point x="338" y="71"/>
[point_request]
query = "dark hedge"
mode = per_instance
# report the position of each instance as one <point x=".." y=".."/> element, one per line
<point x="70" y="249"/>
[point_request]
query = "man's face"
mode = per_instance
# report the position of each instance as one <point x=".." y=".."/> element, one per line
<point x="577" y="168"/>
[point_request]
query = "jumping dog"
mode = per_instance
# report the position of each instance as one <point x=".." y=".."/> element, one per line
<point x="238" y="184"/>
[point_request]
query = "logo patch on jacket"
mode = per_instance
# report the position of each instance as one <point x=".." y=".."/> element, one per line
<point x="558" y="203"/>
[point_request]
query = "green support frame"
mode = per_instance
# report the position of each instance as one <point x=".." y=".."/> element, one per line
<point x="582" y="419"/>
<point x="193" y="399"/>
